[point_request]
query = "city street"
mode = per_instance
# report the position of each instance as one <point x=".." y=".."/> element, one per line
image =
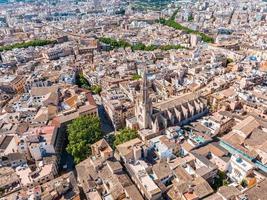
<point x="106" y="125"/>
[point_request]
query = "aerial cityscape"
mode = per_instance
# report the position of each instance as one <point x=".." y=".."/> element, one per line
<point x="133" y="99"/>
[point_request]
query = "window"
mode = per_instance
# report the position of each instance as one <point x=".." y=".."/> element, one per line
<point x="237" y="173"/>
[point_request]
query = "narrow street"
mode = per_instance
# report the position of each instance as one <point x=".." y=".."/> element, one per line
<point x="106" y="124"/>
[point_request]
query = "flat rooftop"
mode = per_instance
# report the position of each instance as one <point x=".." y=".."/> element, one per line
<point x="144" y="178"/>
<point x="7" y="79"/>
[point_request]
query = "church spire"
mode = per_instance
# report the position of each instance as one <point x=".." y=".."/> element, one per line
<point x="145" y="92"/>
<point x="145" y="106"/>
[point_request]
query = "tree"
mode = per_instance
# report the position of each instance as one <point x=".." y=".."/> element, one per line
<point x="172" y="23"/>
<point x="136" y="77"/>
<point x="169" y="47"/>
<point x="82" y="82"/>
<point x="125" y="135"/>
<point x="244" y="183"/>
<point x="151" y="47"/>
<point x="33" y="43"/>
<point x="229" y="60"/>
<point x="138" y="46"/>
<point x="96" y="89"/>
<point x="83" y="132"/>
<point x="220" y="180"/>
<point x="190" y="18"/>
<point x="113" y="43"/>
<point x="174" y="14"/>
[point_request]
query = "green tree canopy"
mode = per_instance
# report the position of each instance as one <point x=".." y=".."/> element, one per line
<point x="96" y="89"/>
<point x="229" y="60"/>
<point x="33" y="43"/>
<point x="172" y="23"/>
<point x="244" y="183"/>
<point x="125" y="135"/>
<point x="220" y="180"/>
<point x="190" y="18"/>
<point x="139" y="46"/>
<point x="136" y="77"/>
<point x="174" y="14"/>
<point x="82" y="82"/>
<point x="83" y="132"/>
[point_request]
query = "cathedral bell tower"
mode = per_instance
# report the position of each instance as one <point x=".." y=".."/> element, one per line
<point x="144" y="106"/>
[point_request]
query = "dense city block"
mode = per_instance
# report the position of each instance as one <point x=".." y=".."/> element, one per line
<point x="133" y="99"/>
